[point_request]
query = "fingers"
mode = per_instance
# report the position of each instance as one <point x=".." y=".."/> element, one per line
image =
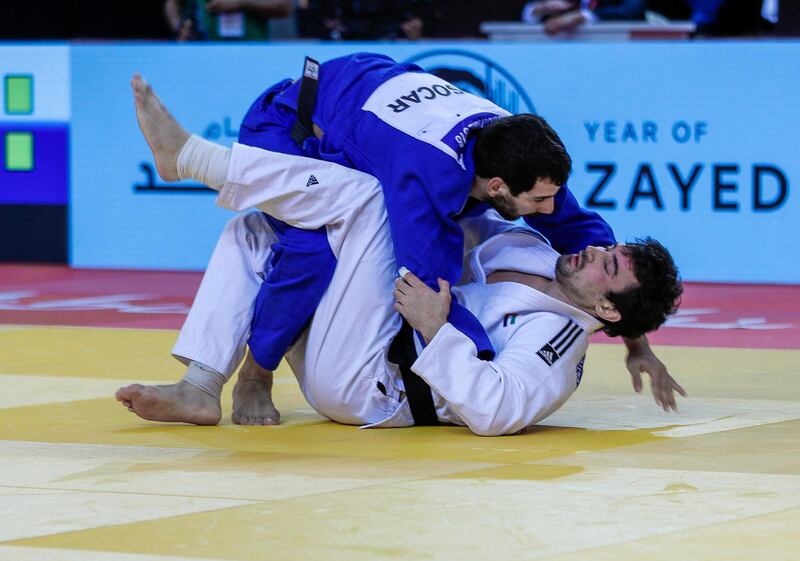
<point x="410" y="278"/>
<point x="399" y="297"/>
<point x="400" y="286"/>
<point x="636" y="379"/>
<point x="665" y="397"/>
<point x="658" y="397"/>
<point x="663" y="387"/>
<point x="410" y="285"/>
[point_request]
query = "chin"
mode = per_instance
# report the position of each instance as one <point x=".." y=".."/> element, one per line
<point x="562" y="267"/>
<point x="504" y="212"/>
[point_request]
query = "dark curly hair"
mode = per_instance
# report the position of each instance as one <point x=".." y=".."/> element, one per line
<point x="521" y="150"/>
<point x="657" y="295"/>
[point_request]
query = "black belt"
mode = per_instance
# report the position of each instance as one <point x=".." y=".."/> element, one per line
<point x="306" y="100"/>
<point x="403" y="352"/>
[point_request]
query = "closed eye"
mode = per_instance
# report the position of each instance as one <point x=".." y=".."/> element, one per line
<point x="612" y="257"/>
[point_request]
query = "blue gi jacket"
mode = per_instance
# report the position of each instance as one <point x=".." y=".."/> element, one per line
<point x="411" y="130"/>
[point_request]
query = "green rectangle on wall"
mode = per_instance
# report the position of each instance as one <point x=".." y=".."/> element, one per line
<point x="19" y="94"/>
<point x="19" y="151"/>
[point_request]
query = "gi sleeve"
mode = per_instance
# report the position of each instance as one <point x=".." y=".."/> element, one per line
<point x="519" y="387"/>
<point x="571" y="228"/>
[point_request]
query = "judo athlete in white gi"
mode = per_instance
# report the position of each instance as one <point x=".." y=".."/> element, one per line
<point x="538" y="308"/>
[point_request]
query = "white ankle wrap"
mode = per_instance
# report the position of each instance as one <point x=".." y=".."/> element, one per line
<point x="204" y="161"/>
<point x="205" y="378"/>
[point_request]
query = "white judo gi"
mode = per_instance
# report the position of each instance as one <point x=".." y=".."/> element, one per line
<point x="340" y="361"/>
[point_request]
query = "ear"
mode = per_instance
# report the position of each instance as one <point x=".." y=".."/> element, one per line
<point x="605" y="310"/>
<point x="494" y="186"/>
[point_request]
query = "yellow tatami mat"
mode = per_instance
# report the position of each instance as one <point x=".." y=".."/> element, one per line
<point x="610" y="477"/>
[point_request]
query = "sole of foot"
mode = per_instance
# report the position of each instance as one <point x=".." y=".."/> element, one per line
<point x="164" y="135"/>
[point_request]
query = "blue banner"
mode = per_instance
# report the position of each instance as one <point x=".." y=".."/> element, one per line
<point x="692" y="143"/>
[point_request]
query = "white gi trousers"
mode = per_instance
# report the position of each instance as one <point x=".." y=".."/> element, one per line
<point x="340" y="360"/>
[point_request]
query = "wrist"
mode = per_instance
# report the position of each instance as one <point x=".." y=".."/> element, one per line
<point x="430" y="331"/>
<point x="636" y="346"/>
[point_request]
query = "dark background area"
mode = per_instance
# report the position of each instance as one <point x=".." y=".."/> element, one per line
<point x="89" y="19"/>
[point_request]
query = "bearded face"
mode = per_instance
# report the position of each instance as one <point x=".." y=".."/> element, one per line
<point x="505" y="206"/>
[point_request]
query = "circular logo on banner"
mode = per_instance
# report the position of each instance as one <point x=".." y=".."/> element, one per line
<point x="477" y="75"/>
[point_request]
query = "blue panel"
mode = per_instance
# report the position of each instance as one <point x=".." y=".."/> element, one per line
<point x="46" y="183"/>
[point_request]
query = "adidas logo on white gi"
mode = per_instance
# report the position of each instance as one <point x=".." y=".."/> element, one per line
<point x="548" y="355"/>
<point x="312" y="181"/>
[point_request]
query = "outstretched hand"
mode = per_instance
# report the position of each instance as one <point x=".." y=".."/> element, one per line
<point x="663" y="385"/>
<point x="425" y="309"/>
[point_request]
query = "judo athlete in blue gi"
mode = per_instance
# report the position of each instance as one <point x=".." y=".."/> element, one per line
<point x="428" y="143"/>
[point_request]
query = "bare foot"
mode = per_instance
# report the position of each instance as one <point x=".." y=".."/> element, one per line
<point x="163" y="133"/>
<point x="252" y="396"/>
<point x="175" y="403"/>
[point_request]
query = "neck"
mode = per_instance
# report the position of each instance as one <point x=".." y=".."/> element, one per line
<point x="557" y="291"/>
<point x="551" y="287"/>
<point x="478" y="190"/>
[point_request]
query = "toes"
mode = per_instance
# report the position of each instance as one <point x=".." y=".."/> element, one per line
<point x="137" y="82"/>
<point x="248" y="421"/>
<point x="129" y="393"/>
<point x="140" y="85"/>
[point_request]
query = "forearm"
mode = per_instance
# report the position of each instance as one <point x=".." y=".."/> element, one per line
<point x="638" y="345"/>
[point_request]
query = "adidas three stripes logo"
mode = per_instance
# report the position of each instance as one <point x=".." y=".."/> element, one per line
<point x="559" y="344"/>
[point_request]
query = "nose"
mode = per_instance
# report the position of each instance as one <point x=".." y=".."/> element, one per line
<point x="546" y="207"/>
<point x="593" y="250"/>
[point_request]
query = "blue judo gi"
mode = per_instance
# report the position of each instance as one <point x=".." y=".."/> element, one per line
<point x="411" y="130"/>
